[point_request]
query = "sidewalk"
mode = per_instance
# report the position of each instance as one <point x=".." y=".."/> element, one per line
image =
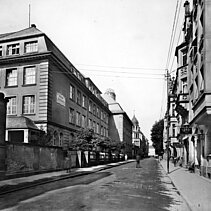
<point x="7" y="185"/>
<point x="195" y="189"/>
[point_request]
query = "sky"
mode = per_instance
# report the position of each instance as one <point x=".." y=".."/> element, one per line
<point x="119" y="44"/>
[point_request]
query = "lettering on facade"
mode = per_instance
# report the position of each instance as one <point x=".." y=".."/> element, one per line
<point x="60" y="99"/>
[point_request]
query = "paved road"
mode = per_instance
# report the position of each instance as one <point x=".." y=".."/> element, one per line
<point x="120" y="188"/>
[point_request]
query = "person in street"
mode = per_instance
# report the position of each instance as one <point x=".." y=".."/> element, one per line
<point x="138" y="161"/>
<point x="68" y="163"/>
<point x="125" y="156"/>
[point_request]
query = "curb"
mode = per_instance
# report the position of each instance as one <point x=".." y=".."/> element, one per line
<point x="23" y="185"/>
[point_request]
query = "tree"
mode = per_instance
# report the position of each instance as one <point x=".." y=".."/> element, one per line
<point x="157" y="136"/>
<point x="84" y="140"/>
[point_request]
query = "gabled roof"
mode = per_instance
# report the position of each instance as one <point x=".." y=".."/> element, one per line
<point x="28" y="32"/>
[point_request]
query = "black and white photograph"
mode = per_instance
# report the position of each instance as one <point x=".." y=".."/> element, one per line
<point x="105" y="105"/>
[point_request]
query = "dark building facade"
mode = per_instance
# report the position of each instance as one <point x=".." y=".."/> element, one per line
<point x="42" y="85"/>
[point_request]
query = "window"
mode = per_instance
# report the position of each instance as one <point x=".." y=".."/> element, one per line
<point x="97" y="112"/>
<point x="1" y="52"/>
<point x="55" y="136"/>
<point x="29" y="75"/>
<point x="101" y="130"/>
<point x="78" y="119"/>
<point x="84" y="101"/>
<point x="184" y="59"/>
<point x="90" y="123"/>
<point x="94" y="109"/>
<point x="60" y="139"/>
<point x="98" y="128"/>
<point x="71" y="115"/>
<point x="78" y="100"/>
<point x="94" y="126"/>
<point x="12" y="106"/>
<point x="72" y="92"/>
<point x="83" y="121"/>
<point x="29" y="104"/>
<point x="173" y="130"/>
<point x="12" y="77"/>
<point x="31" y="47"/>
<point x="13" y="49"/>
<point x="90" y="106"/>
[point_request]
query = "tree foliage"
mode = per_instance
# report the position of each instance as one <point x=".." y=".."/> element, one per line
<point x="157" y="136"/>
<point x="84" y="140"/>
<point x="87" y="140"/>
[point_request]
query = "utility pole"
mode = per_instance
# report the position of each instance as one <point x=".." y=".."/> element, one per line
<point x="168" y="123"/>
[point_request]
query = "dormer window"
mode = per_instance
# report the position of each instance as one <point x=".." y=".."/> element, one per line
<point x="13" y="49"/>
<point x="30" y="47"/>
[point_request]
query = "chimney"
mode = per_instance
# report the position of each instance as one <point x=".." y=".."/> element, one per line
<point x="33" y="25"/>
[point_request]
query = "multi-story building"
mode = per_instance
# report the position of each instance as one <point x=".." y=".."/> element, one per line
<point x="119" y="123"/>
<point x="45" y="91"/>
<point x="193" y="87"/>
<point x="140" y="143"/>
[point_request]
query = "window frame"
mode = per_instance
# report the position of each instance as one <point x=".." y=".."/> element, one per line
<point x="72" y="92"/>
<point x="33" y="104"/>
<point x="71" y="118"/>
<point x="7" y="83"/>
<point x="31" y="46"/>
<point x="34" y="75"/>
<point x="11" y="105"/>
<point x="14" y="47"/>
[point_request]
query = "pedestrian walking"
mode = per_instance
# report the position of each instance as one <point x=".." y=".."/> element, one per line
<point x="138" y="161"/>
<point x="68" y="163"/>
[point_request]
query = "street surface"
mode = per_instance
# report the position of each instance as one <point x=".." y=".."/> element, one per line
<point x="120" y="188"/>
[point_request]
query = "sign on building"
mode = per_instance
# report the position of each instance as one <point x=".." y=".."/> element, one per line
<point x="60" y="99"/>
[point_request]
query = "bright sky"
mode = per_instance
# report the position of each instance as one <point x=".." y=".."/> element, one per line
<point x="119" y="44"/>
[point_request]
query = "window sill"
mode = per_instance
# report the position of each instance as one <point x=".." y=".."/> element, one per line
<point x="15" y="86"/>
<point x="26" y="85"/>
<point x="29" y="114"/>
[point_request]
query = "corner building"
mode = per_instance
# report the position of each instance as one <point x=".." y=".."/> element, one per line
<point x="42" y="85"/>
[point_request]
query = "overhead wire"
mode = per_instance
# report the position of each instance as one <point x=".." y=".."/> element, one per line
<point x="121" y="67"/>
<point x="109" y="71"/>
<point x="117" y="76"/>
<point x="172" y="34"/>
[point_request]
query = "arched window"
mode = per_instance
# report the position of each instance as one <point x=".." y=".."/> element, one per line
<point x="55" y="135"/>
<point x="60" y="139"/>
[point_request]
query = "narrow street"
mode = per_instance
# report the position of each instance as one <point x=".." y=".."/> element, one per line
<point x="120" y="188"/>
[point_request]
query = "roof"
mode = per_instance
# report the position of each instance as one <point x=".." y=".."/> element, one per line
<point x="31" y="31"/>
<point x="20" y="122"/>
<point x="135" y="121"/>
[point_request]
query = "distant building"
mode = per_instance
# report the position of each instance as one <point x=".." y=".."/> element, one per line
<point x="151" y="151"/>
<point x="43" y="87"/>
<point x="140" y="143"/>
<point x="120" y="125"/>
